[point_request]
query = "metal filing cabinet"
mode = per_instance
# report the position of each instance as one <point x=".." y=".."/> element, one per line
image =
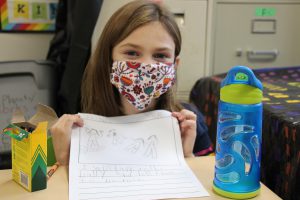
<point x="191" y="16"/>
<point x="254" y="33"/>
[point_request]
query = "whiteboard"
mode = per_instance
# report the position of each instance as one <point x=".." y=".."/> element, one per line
<point x="18" y="91"/>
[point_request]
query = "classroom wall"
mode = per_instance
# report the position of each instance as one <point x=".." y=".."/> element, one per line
<point x="24" y="46"/>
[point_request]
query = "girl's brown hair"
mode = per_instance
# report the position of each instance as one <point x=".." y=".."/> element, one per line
<point x="99" y="96"/>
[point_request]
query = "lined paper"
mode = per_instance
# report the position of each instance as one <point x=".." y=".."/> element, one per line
<point x="130" y="157"/>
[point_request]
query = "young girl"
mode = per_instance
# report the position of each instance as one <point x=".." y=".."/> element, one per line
<point x="132" y="70"/>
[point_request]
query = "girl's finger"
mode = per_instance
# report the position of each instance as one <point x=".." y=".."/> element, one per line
<point x="188" y="124"/>
<point x="179" y="116"/>
<point x="78" y="121"/>
<point x="189" y="114"/>
<point x="69" y="120"/>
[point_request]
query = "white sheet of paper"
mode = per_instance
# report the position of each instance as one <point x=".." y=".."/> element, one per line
<point x="130" y="157"/>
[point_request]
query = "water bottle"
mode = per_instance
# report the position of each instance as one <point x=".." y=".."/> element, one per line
<point x="238" y="145"/>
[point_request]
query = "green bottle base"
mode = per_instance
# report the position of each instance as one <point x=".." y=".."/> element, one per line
<point x="232" y="195"/>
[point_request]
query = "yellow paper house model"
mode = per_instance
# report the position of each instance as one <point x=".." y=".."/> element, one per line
<point x="29" y="147"/>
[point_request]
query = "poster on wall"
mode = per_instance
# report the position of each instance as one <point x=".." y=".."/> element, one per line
<point x="28" y="15"/>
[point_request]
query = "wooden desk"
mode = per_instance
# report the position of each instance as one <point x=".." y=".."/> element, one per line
<point x="57" y="188"/>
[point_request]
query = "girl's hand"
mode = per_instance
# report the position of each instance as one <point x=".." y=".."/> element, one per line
<point x="61" y="136"/>
<point x="188" y="126"/>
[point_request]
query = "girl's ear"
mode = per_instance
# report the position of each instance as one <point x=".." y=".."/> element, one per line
<point x="177" y="61"/>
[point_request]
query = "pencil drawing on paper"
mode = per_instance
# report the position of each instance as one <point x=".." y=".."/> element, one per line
<point x="148" y="147"/>
<point x="134" y="158"/>
<point x="98" y="141"/>
<point x="93" y="144"/>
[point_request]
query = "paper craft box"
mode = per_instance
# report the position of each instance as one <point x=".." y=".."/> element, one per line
<point x="29" y="147"/>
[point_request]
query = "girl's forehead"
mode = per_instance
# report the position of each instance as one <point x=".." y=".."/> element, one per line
<point x="152" y="34"/>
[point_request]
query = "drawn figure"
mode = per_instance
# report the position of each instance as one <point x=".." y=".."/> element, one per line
<point x="93" y="142"/>
<point x="136" y="146"/>
<point x="116" y="138"/>
<point x="151" y="151"/>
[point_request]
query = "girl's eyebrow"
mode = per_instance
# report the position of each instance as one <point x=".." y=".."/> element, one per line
<point x="131" y="45"/>
<point x="139" y="47"/>
<point x="164" y="49"/>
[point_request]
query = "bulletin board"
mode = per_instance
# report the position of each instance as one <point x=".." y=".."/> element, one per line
<point x="28" y="15"/>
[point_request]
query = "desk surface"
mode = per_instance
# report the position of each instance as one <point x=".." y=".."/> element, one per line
<point x="57" y="188"/>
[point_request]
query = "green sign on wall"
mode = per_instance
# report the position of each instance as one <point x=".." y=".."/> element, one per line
<point x="265" y="12"/>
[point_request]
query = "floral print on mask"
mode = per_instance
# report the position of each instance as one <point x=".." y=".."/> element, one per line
<point x="140" y="82"/>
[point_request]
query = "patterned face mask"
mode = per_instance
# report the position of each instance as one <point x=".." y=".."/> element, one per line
<point x="140" y="82"/>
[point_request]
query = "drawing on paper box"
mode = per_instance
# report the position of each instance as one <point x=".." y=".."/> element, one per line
<point x="100" y="141"/>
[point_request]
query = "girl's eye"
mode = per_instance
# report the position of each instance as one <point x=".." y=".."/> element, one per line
<point x="132" y="53"/>
<point x="160" y="56"/>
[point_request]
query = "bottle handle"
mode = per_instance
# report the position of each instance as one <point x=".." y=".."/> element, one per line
<point x="241" y="75"/>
